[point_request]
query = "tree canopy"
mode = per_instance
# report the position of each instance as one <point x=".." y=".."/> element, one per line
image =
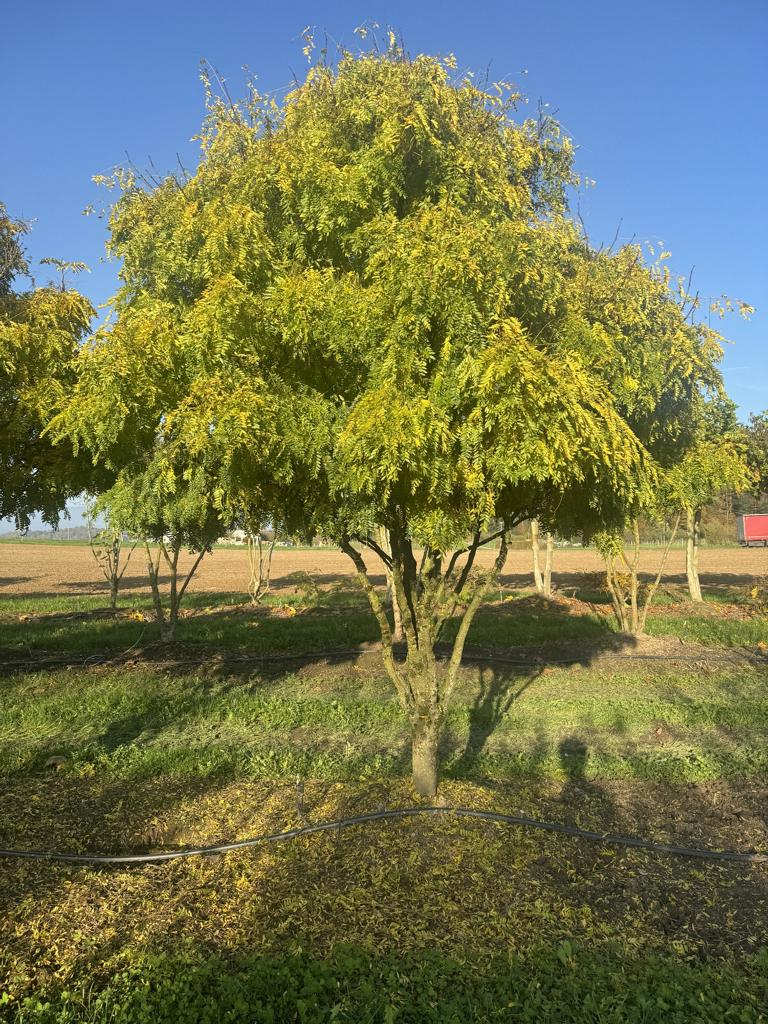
<point x="370" y="307"/>
<point x="756" y="440"/>
<point x="40" y="333"/>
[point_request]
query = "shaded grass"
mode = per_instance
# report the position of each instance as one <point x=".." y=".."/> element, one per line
<point x="433" y="919"/>
<point x="334" y="619"/>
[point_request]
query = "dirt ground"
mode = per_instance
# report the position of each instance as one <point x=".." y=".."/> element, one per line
<point x="44" y="569"/>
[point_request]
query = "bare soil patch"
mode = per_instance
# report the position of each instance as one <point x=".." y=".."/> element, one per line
<point x="45" y="570"/>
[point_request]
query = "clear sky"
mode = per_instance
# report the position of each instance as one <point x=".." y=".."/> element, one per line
<point x="666" y="102"/>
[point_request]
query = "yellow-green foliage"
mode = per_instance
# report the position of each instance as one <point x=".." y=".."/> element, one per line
<point x="370" y="297"/>
<point x="40" y="330"/>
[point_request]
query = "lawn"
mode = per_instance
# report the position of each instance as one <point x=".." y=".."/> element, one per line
<point x="425" y="919"/>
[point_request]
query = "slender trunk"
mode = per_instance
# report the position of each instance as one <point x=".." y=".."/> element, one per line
<point x="426" y="735"/>
<point x="634" y="580"/>
<point x="113" y="585"/>
<point x="548" y="565"/>
<point x="153" y="570"/>
<point x="260" y="562"/>
<point x="397" y="618"/>
<point x="655" y="584"/>
<point x="168" y="631"/>
<point x="538" y="579"/>
<point x="693" y="524"/>
<point x="618" y="599"/>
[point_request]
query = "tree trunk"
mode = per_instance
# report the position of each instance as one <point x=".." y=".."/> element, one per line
<point x="548" y="565"/>
<point x="168" y="626"/>
<point x="538" y="579"/>
<point x="168" y="629"/>
<point x="426" y="734"/>
<point x="427" y="598"/>
<point x="260" y="565"/>
<point x="113" y="585"/>
<point x="397" y="617"/>
<point x="153" y="570"/>
<point x="693" y="523"/>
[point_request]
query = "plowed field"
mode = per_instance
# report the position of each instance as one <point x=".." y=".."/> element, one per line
<point x="46" y="569"/>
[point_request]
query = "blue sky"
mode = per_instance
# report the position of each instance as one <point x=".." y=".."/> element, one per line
<point x="666" y="103"/>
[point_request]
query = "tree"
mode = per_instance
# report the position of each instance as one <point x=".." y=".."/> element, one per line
<point x="107" y="546"/>
<point x="363" y="311"/>
<point x="169" y="511"/>
<point x="630" y="598"/>
<point x="716" y="462"/>
<point x="40" y="332"/>
<point x="702" y="471"/>
<point x="663" y="371"/>
<point x="756" y="440"/>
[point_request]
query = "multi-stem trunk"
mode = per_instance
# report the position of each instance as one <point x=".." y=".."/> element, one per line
<point x="542" y="580"/>
<point x="167" y="619"/>
<point x="692" y="544"/>
<point x="260" y="562"/>
<point x="428" y="597"/>
<point x="107" y="549"/>
<point x="629" y="605"/>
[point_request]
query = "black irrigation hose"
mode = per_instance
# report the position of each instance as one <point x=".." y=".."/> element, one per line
<point x="406" y="812"/>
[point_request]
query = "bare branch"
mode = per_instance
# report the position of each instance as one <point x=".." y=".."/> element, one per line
<point x="189" y="576"/>
<point x="401" y="685"/>
<point x="369" y="542"/>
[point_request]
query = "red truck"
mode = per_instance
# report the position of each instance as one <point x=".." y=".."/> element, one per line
<point x="753" y="529"/>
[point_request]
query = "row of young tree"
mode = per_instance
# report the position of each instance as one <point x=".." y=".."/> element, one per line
<point x="369" y="315"/>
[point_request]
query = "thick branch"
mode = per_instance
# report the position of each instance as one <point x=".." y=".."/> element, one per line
<point x="369" y="542"/>
<point x="189" y="576"/>
<point x="461" y="582"/>
<point x="404" y="579"/>
<point x="377" y="607"/>
<point x="481" y="590"/>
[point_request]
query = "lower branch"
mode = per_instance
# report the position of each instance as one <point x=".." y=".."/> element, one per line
<point x="477" y="599"/>
<point x="401" y="685"/>
<point x="655" y="585"/>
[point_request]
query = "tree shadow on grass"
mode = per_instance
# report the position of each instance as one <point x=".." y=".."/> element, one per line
<point x="466" y="888"/>
<point x="497" y="692"/>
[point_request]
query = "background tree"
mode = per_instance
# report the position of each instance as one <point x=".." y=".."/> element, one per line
<point x="364" y="310"/>
<point x="169" y="511"/>
<point x="40" y="332"/>
<point x="716" y="462"/>
<point x="108" y="548"/>
<point x="662" y="368"/>
<point x="260" y="539"/>
<point x="756" y="440"/>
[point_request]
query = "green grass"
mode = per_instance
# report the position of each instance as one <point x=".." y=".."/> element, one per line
<point x="711" y="632"/>
<point x="635" y="724"/>
<point x="562" y="985"/>
<point x="422" y="920"/>
<point x="329" y="620"/>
